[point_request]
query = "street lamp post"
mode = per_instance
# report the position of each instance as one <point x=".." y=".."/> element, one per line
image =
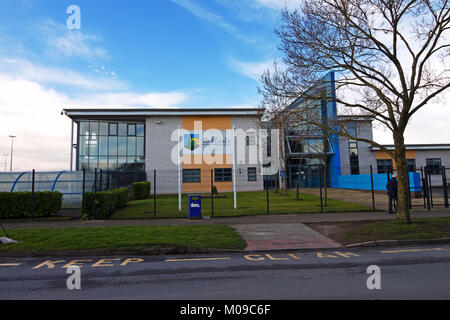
<point x="12" y="146"/>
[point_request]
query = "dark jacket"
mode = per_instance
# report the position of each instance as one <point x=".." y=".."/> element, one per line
<point x="392" y="187"/>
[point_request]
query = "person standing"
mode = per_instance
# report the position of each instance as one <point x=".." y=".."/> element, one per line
<point x="392" y="191"/>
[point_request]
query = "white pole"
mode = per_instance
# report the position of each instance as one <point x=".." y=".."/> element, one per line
<point x="71" y="149"/>
<point x="179" y="168"/>
<point x="234" y="170"/>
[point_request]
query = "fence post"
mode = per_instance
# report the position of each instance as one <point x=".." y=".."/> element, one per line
<point x="212" y="193"/>
<point x="320" y="184"/>
<point x="430" y="188"/>
<point x="95" y="194"/>
<point x="32" y="194"/>
<point x="424" y="189"/>
<point x="101" y="180"/>
<point x="267" y="194"/>
<point x="154" y="193"/>
<point x="371" y="185"/>
<point x="83" y="190"/>
<point x="444" y="185"/>
<point x="427" y="188"/>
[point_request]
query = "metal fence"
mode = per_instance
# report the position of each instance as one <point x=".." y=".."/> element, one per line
<point x="72" y="184"/>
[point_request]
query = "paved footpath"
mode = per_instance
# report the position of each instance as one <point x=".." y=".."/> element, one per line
<point x="261" y="232"/>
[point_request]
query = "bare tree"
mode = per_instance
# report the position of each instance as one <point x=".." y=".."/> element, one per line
<point x="295" y="137"/>
<point x="390" y="57"/>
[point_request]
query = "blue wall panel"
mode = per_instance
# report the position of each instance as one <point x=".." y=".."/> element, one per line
<point x="362" y="181"/>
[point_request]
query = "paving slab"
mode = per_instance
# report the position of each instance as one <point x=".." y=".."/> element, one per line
<point x="282" y="236"/>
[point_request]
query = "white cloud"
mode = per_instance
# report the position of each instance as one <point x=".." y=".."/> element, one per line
<point x="278" y="4"/>
<point x="213" y="18"/>
<point x="31" y="110"/>
<point x="71" y="43"/>
<point x="24" y="69"/>
<point x="252" y="70"/>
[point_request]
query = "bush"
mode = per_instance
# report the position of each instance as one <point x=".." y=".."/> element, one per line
<point x="18" y="204"/>
<point x="106" y="202"/>
<point x="214" y="190"/>
<point x="140" y="190"/>
<point x="121" y="196"/>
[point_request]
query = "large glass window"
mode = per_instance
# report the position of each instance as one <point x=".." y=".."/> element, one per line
<point x="434" y="166"/>
<point x="111" y="145"/>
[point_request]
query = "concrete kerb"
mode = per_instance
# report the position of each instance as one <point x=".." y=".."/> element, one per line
<point x="384" y="243"/>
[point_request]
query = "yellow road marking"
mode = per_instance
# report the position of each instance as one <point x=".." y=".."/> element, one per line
<point x="197" y="259"/>
<point x="9" y="264"/>
<point x="411" y="250"/>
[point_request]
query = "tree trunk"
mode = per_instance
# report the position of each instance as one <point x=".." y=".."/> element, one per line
<point x="325" y="184"/>
<point x="402" y="172"/>
<point x="298" y="179"/>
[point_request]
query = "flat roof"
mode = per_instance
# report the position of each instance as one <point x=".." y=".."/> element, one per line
<point x="138" y="112"/>
<point x="437" y="146"/>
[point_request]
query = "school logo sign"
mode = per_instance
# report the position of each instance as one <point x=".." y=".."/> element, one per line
<point x="191" y="141"/>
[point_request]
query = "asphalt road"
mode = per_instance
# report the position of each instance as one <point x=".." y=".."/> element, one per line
<point x="407" y="272"/>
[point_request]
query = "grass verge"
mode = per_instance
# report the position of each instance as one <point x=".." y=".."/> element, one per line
<point x="124" y="237"/>
<point x="249" y="203"/>
<point x="362" y="231"/>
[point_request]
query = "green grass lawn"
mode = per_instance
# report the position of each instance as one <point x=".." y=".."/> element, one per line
<point x="133" y="237"/>
<point x="362" y="231"/>
<point x="249" y="203"/>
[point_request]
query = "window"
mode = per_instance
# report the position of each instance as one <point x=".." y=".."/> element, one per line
<point x="269" y="146"/>
<point x="113" y="129"/>
<point x="131" y="129"/>
<point x="223" y="175"/>
<point x="111" y="145"/>
<point x="411" y="163"/>
<point x="251" y="174"/>
<point x="353" y="148"/>
<point x="384" y="165"/>
<point x="434" y="166"/>
<point x="191" y="175"/>
<point x="140" y="130"/>
<point x="354" y="164"/>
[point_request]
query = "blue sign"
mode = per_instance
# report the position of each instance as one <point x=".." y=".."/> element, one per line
<point x="195" y="207"/>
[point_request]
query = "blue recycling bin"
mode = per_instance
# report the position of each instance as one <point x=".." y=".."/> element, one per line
<point x="195" y="207"/>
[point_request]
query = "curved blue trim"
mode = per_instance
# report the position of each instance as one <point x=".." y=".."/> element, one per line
<point x="56" y="180"/>
<point x="17" y="179"/>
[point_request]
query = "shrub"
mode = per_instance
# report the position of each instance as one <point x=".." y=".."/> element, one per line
<point x="140" y="190"/>
<point x="214" y="190"/>
<point x="121" y="196"/>
<point x="106" y="202"/>
<point x="18" y="204"/>
<point x="46" y="203"/>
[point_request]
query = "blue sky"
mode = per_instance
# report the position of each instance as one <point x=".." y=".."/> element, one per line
<point x="211" y="50"/>
<point x="158" y="53"/>
<point x="149" y="53"/>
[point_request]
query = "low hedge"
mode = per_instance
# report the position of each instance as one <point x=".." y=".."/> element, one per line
<point x="106" y="202"/>
<point x="18" y="204"/>
<point x="140" y="190"/>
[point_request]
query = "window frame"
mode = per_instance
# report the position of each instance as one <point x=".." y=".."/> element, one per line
<point x="184" y="175"/>
<point x="435" y="171"/>
<point x="223" y="176"/>
<point x="255" y="174"/>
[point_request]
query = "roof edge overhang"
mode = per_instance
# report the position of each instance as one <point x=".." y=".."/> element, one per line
<point x="416" y="147"/>
<point x="84" y="113"/>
